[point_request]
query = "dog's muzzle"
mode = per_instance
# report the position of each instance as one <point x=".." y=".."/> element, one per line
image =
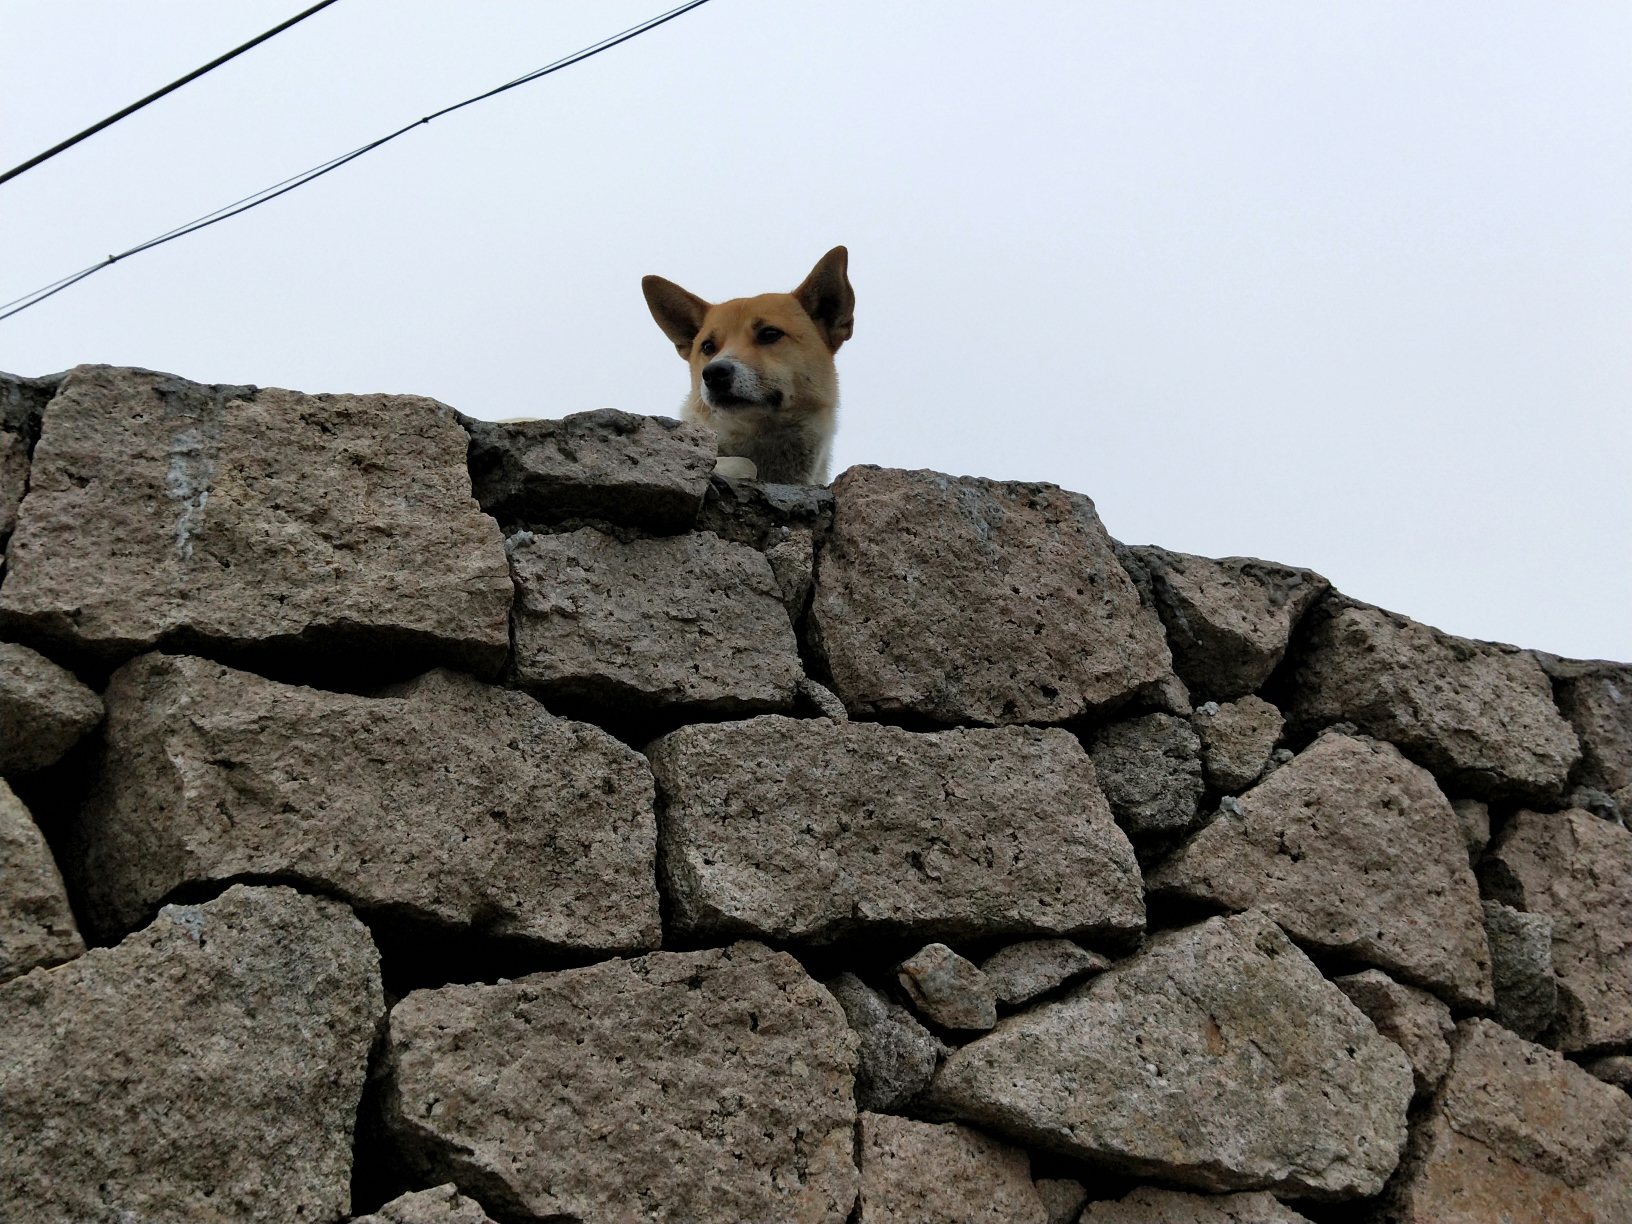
<point x="729" y="384"/>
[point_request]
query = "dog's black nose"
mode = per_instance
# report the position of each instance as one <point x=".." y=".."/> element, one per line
<point x="717" y="374"/>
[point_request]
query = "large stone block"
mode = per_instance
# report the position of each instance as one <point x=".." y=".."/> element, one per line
<point x="44" y="710"/>
<point x="1148" y="1205"/>
<point x="449" y="802"/>
<point x="921" y="1173"/>
<point x="1412" y="1019"/>
<point x="1596" y="696"/>
<point x="1354" y="851"/>
<point x="208" y="1068"/>
<point x="36" y="925"/>
<point x="957" y="600"/>
<point x="313" y="533"/>
<point x="695" y="1086"/>
<point x="1217" y="1057"/>
<point x="811" y="830"/>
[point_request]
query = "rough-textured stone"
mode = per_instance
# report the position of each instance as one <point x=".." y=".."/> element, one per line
<point x="1353" y="850"/>
<point x="448" y="801"/>
<point x="1147" y="1205"/>
<point x="948" y="989"/>
<point x="36" y="925"/>
<point x="636" y="471"/>
<point x="810" y="830"/>
<point x="1228" y="621"/>
<point x="692" y="1086"/>
<point x="1412" y="1019"/>
<point x="921" y="1173"/>
<point x="1521" y="958"/>
<point x="1150" y="771"/>
<point x="764" y="515"/>
<point x="1596" y="696"/>
<point x="1478" y="714"/>
<point x="1614" y="1069"/>
<point x="1022" y="971"/>
<point x="1577" y="870"/>
<point x="1237" y="740"/>
<point x="22" y="404"/>
<point x="793" y="562"/>
<point x="1062" y="1198"/>
<point x="688" y="625"/>
<point x="1216" y="1057"/>
<point x="1515" y="1134"/>
<point x="1474" y="817"/>
<point x="813" y="700"/>
<point x="441" y="1205"/>
<point x="959" y="600"/>
<point x="44" y="710"/>
<point x="332" y="530"/>
<point x="207" y="1068"/>
<point x="897" y="1055"/>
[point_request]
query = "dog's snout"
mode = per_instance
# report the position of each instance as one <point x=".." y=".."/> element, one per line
<point x="717" y="374"/>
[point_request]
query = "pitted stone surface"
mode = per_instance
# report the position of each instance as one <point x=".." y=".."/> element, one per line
<point x="332" y="530"/>
<point x="22" y="404"/>
<point x="440" y="1205"/>
<point x="1237" y="739"/>
<point x="1063" y="1198"/>
<point x="959" y="600"/>
<point x="36" y="924"/>
<point x="1216" y="1057"/>
<point x="1596" y="697"/>
<point x="1412" y="1019"/>
<point x="1353" y="850"/>
<point x="688" y="625"/>
<point x="763" y="515"/>
<point x="1150" y="771"/>
<point x="449" y="801"/>
<point x="1022" y="971"/>
<point x="207" y="1068"/>
<point x="1615" y="1069"/>
<point x="810" y="830"/>
<point x="1474" y="817"/>
<point x="44" y="710"/>
<point x="897" y="1054"/>
<point x="1521" y="957"/>
<point x="1147" y="1205"/>
<point x="680" y="1086"/>
<point x="947" y="989"/>
<point x="793" y="561"/>
<point x="920" y="1173"/>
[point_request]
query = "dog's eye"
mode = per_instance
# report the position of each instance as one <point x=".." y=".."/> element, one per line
<point x="709" y="348"/>
<point x="769" y="335"/>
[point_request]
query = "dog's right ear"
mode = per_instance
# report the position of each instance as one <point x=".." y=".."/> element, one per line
<point x="678" y="313"/>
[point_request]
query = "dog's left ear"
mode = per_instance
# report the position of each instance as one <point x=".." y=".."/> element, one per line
<point x="828" y="299"/>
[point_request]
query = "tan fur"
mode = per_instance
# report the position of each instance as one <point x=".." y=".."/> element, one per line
<point x="774" y="394"/>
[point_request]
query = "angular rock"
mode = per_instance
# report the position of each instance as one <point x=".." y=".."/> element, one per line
<point x="1022" y="971"/>
<point x="680" y="1086"/>
<point x="764" y="515"/>
<point x="1412" y="1019"/>
<point x="1615" y="1069"/>
<point x="1479" y="715"/>
<point x="793" y="562"/>
<point x="1577" y="870"/>
<point x="897" y="1055"/>
<point x="441" y="1205"/>
<point x="1228" y="621"/>
<point x="22" y="404"/>
<point x="636" y="471"/>
<point x="809" y="830"/>
<point x="1147" y="1205"/>
<point x="1216" y="1057"/>
<point x="1237" y="740"/>
<point x="313" y="532"/>
<point x="447" y="801"/>
<point x="1518" y="1134"/>
<point x="948" y="989"/>
<point x="1596" y="696"/>
<point x="1474" y="817"/>
<point x="1150" y="771"/>
<point x="1354" y="851"/>
<point x="921" y="1173"/>
<point x="207" y="1068"/>
<point x="1521" y="958"/>
<point x="1062" y="1198"/>
<point x="687" y="626"/>
<point x="44" y="710"/>
<point x="957" y="600"/>
<point x="36" y="925"/>
<point x="814" y="700"/>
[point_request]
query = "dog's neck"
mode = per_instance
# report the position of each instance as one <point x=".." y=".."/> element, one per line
<point x="786" y="447"/>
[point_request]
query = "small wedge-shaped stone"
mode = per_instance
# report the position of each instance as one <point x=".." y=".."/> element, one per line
<point x="810" y="830"/>
<point x="1353" y="850"/>
<point x="897" y="1055"/>
<point x="36" y="925"/>
<point x="1022" y="971"/>
<point x="314" y="531"/>
<point x="1412" y="1019"/>
<point x="947" y="989"/>
<point x="1521" y="958"/>
<point x="22" y="404"/>
<point x="922" y="1173"/>
<point x="1150" y="771"/>
<point x="44" y="710"/>
<point x="692" y="1087"/>
<point x="1577" y="870"/>
<point x="960" y="600"/>
<point x="1216" y="1057"/>
<point x="1237" y="739"/>
<point x="1147" y="1205"/>
<point x="451" y="802"/>
<point x="208" y="1068"/>
<point x="440" y="1205"/>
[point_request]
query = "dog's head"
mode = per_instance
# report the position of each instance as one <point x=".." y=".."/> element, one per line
<point x="772" y="353"/>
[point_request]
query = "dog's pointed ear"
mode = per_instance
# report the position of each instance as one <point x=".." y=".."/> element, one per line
<point x="828" y="299"/>
<point x="678" y="313"/>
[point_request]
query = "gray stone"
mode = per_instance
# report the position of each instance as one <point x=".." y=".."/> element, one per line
<point x="636" y="471"/>
<point x="1480" y="715"/>
<point x="1354" y="851"/>
<point x="1228" y="621"/>
<point x="809" y="830"/>
<point x="1216" y="1057"/>
<point x="793" y="561"/>
<point x="688" y="626"/>
<point x="958" y="600"/>
<point x="447" y="801"/>
<point x="1237" y="740"/>
<point x="920" y="1173"/>
<point x="44" y="710"/>
<point x="1521" y="957"/>
<point x="680" y="1086"/>
<point x="1412" y="1019"/>
<point x="1601" y="804"/>
<point x="314" y="532"/>
<point x="36" y="925"/>
<point x="763" y="515"/>
<point x="441" y="1205"/>
<point x="207" y="1068"/>
<point x="1147" y="1205"/>
<point x="22" y="404"/>
<point x="1150" y="771"/>
<point x="1062" y="1198"/>
<point x="1596" y="696"/>
<point x="897" y="1056"/>
<point x="1474" y="817"/>
<point x="1614" y="1069"/>
<point x="814" y="700"/>
<point x="948" y="989"/>
<point x="1022" y="971"/>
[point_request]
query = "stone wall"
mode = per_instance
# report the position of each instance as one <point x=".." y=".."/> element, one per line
<point x="416" y="819"/>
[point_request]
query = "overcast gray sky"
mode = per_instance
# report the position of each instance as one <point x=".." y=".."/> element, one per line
<point x="1345" y="285"/>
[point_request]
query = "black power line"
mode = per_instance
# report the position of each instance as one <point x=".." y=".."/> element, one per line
<point x="18" y="305"/>
<point x="154" y="97"/>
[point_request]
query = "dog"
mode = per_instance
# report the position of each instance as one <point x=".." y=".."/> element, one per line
<point x="762" y="373"/>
